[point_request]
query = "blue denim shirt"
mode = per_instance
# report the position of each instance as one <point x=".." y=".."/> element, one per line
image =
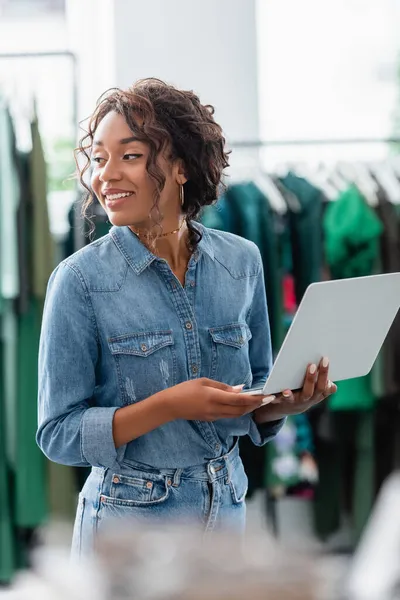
<point x="118" y="327"/>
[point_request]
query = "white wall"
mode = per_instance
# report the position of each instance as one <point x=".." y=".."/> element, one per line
<point x="208" y="46"/>
<point x="90" y="35"/>
<point x="328" y="70"/>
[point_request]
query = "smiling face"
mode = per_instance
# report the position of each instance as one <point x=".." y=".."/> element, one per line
<point x="121" y="181"/>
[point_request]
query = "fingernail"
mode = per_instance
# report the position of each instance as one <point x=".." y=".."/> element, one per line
<point x="267" y="400"/>
<point x="287" y="393"/>
<point x="238" y="387"/>
<point x="325" y="362"/>
<point x="313" y="369"/>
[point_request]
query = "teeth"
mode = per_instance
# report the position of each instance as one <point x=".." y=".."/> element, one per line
<point x="117" y="196"/>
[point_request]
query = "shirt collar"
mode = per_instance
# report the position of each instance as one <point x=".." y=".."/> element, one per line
<point x="139" y="257"/>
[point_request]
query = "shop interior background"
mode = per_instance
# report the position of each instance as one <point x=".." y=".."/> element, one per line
<point x="302" y="85"/>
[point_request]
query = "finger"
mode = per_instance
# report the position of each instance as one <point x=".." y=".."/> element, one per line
<point x="232" y="399"/>
<point x="309" y="383"/>
<point x="286" y="396"/>
<point x="218" y="385"/>
<point x="229" y="412"/>
<point x="323" y="380"/>
<point x="330" y="389"/>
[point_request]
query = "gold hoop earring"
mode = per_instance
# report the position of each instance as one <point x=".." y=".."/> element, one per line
<point x="181" y="195"/>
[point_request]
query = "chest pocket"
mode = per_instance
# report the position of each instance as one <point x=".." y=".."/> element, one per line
<point x="145" y="362"/>
<point x="230" y="362"/>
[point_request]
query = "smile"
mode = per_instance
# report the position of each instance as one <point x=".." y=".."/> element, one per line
<point x="113" y="197"/>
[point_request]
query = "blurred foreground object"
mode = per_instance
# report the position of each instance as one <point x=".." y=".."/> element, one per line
<point x="178" y="563"/>
<point x="174" y="562"/>
<point x="375" y="573"/>
<point x="165" y="563"/>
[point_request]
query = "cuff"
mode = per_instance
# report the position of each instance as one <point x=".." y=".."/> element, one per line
<point x="261" y="433"/>
<point x="97" y="442"/>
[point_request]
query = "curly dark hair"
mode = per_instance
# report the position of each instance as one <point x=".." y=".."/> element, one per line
<point x="163" y="116"/>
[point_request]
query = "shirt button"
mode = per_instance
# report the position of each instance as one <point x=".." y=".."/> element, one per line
<point x="218" y="447"/>
<point x="149" y="484"/>
<point x="115" y="479"/>
<point x="192" y="283"/>
<point x="143" y="347"/>
<point x="174" y="285"/>
<point x="189" y="325"/>
<point x="195" y="369"/>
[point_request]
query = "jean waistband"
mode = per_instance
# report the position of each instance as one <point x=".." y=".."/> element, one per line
<point x="210" y="471"/>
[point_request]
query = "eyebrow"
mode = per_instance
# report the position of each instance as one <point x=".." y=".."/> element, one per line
<point x="127" y="140"/>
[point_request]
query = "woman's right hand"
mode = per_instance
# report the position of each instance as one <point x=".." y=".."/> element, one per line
<point x="207" y="400"/>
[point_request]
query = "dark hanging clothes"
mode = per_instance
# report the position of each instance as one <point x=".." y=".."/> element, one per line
<point x="245" y="211"/>
<point x="305" y="233"/>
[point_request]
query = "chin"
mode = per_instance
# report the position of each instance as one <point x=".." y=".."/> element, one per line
<point x="121" y="219"/>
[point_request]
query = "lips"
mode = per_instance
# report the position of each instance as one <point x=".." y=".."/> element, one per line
<point x="116" y="198"/>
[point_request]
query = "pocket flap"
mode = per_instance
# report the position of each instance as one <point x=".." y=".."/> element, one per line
<point x="141" y="343"/>
<point x="236" y="334"/>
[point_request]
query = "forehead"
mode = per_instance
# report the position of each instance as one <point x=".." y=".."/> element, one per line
<point x="112" y="129"/>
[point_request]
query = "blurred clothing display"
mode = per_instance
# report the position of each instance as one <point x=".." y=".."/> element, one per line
<point x="330" y="226"/>
<point x="26" y="261"/>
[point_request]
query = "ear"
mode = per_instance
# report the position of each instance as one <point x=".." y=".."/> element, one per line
<point x="180" y="172"/>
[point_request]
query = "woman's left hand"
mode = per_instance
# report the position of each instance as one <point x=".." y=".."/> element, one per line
<point x="317" y="387"/>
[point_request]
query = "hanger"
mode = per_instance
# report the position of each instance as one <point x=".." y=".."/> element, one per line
<point x="338" y="180"/>
<point x="358" y="173"/>
<point x="267" y="186"/>
<point x="319" y="179"/>
<point x="388" y="180"/>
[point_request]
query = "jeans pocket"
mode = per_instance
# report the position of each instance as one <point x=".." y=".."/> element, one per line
<point x="141" y="489"/>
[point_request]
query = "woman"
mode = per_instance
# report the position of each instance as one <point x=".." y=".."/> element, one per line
<point x="150" y="333"/>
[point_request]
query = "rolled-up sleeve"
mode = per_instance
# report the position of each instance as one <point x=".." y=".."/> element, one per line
<point x="71" y="429"/>
<point x="260" y="350"/>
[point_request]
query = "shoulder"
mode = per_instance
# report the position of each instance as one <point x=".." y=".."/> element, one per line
<point x="239" y="256"/>
<point x="98" y="265"/>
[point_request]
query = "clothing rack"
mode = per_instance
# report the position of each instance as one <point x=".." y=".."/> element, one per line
<point x="313" y="142"/>
<point x="78" y="231"/>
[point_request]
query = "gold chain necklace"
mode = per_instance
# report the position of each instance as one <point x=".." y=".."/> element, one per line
<point x="162" y="234"/>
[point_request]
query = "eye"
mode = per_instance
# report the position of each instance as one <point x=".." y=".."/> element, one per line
<point x="131" y="156"/>
<point x="97" y="159"/>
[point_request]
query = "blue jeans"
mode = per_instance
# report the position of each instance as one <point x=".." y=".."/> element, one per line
<point x="210" y="496"/>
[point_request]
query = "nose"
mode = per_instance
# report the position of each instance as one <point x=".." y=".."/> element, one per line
<point x="110" y="172"/>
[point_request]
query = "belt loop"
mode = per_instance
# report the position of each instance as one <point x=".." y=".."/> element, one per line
<point x="177" y="478"/>
<point x="228" y="468"/>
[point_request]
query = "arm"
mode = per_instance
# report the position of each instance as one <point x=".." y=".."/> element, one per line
<point x="261" y="358"/>
<point x="71" y="429"/>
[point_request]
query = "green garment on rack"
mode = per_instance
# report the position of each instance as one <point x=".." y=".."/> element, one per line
<point x="7" y="548"/>
<point x="31" y="505"/>
<point x="24" y="227"/>
<point x="245" y="211"/>
<point x="43" y="250"/>
<point x="352" y="232"/>
<point x="9" y="288"/>
<point x="9" y="201"/>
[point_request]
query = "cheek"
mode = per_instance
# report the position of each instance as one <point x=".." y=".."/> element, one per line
<point x="95" y="182"/>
